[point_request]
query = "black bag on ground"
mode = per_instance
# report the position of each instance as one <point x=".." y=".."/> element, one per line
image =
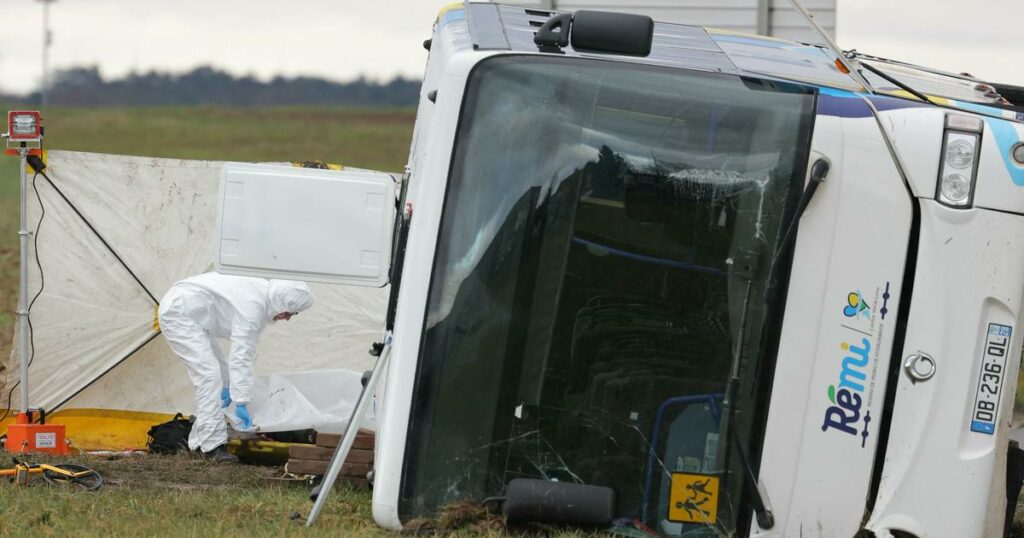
<point x="170" y="437"/>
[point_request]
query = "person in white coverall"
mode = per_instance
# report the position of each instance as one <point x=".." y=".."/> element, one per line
<point x="198" y="310"/>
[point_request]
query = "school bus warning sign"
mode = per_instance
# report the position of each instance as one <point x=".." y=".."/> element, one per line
<point x="693" y="498"/>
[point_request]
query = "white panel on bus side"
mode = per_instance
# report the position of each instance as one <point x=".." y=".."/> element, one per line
<point x="305" y="224"/>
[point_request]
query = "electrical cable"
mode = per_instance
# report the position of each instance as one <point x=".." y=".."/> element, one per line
<point x="42" y="286"/>
<point x="96" y="232"/>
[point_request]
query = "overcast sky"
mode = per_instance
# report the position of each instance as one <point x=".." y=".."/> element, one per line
<point x="343" y="39"/>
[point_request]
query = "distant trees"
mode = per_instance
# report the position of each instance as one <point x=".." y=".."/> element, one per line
<point x="211" y="86"/>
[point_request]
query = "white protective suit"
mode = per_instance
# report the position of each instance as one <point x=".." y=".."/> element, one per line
<point x="198" y="310"/>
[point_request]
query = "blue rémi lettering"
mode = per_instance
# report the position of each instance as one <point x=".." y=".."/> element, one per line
<point x="846" y="399"/>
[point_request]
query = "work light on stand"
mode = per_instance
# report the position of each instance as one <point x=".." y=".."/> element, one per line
<point x="29" y="433"/>
<point x="24" y="126"/>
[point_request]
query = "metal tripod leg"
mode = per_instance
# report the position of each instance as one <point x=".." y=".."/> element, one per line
<point x="358" y="414"/>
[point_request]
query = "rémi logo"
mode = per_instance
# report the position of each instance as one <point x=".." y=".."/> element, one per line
<point x="844" y="414"/>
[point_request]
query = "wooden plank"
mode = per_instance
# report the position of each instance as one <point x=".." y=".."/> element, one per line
<point x="321" y="453"/>
<point x="364" y="440"/>
<point x="348" y="470"/>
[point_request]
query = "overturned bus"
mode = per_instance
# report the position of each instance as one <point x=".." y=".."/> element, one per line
<point x="752" y="287"/>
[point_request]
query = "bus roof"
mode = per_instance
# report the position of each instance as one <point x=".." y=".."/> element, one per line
<point x="505" y="27"/>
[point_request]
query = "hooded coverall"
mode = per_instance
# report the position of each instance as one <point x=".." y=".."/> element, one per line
<point x="198" y="310"/>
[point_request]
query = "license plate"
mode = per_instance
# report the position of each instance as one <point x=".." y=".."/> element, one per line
<point x="990" y="383"/>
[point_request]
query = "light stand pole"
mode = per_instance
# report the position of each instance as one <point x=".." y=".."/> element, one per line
<point x="24" y="136"/>
<point x="23" y="276"/>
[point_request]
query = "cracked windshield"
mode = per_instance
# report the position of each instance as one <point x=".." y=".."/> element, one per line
<point x="610" y="259"/>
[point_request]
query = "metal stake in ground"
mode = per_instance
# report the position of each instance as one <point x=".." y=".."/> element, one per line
<point x="358" y="414"/>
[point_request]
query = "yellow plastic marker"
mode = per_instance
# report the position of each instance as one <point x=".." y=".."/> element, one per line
<point x="28" y="168"/>
<point x="317" y="164"/>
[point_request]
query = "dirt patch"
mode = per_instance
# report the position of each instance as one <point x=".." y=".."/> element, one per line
<point x="460" y="516"/>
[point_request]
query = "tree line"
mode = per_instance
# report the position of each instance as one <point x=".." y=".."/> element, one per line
<point x="84" y="86"/>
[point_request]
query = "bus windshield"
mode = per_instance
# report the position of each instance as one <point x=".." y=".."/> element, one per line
<point x="609" y="249"/>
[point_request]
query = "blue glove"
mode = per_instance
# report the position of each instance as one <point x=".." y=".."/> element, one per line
<point x="242" y="412"/>
<point x="225" y="397"/>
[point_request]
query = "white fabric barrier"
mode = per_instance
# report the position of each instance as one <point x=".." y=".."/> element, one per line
<point x="95" y="341"/>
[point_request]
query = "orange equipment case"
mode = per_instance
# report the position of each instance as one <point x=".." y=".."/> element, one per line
<point x="24" y="436"/>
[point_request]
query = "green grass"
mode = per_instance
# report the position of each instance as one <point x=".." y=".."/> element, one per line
<point x="9" y="179"/>
<point x="147" y="495"/>
<point x="8" y="255"/>
<point x="367" y="138"/>
<point x="168" y="496"/>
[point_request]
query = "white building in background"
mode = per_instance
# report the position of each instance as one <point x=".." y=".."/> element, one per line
<point x="765" y="17"/>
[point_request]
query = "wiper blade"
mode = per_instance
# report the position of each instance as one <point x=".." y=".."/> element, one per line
<point x="762" y="510"/>
<point x="897" y="83"/>
<point x="765" y="518"/>
<point x="819" y="169"/>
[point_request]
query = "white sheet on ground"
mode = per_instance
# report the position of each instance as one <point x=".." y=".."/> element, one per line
<point x="320" y="400"/>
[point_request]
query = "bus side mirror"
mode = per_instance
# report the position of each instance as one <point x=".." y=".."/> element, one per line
<point x="612" y="33"/>
<point x="596" y="31"/>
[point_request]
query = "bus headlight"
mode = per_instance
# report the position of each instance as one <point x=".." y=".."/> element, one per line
<point x="955" y="188"/>
<point x="958" y="169"/>
<point x="959" y="150"/>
